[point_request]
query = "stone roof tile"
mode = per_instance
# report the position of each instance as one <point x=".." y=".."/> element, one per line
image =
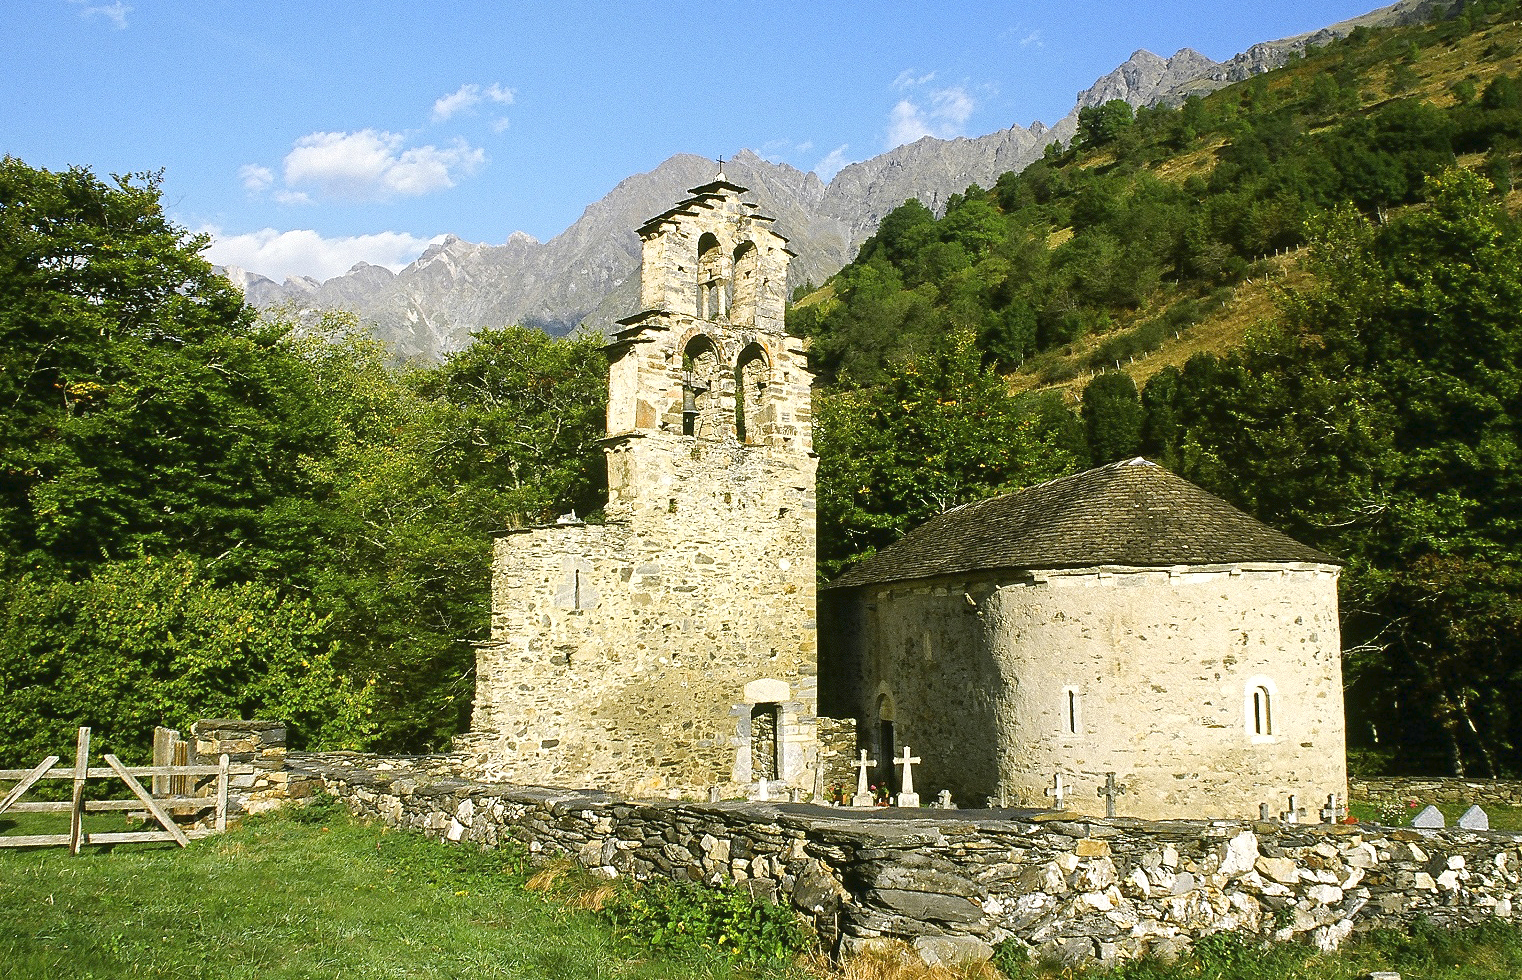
<point x="1132" y="513"/>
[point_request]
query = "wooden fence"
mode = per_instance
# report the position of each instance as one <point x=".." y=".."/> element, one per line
<point x="173" y="785"/>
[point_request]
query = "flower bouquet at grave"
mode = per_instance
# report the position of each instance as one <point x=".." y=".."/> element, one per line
<point x="880" y="794"/>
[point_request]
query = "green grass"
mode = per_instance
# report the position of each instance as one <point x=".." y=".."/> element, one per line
<point x="1507" y="818"/>
<point x="282" y="898"/>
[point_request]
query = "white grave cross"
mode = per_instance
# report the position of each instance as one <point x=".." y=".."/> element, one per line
<point x="1057" y="791"/>
<point x="863" y="795"/>
<point x="907" y="796"/>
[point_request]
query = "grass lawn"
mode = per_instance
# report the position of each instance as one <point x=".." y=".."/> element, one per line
<point x="1507" y="818"/>
<point x="281" y="898"/>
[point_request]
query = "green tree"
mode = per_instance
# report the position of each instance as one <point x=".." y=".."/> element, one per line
<point x="141" y="407"/>
<point x="153" y="642"/>
<point x="1112" y="417"/>
<point x="939" y="431"/>
<point x="1101" y="125"/>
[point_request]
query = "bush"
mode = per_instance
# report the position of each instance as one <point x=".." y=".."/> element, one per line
<point x="680" y="919"/>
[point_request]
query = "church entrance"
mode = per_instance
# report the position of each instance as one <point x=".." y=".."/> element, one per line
<point x="763" y="741"/>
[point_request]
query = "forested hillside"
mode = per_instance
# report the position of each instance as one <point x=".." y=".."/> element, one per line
<point x="1367" y="402"/>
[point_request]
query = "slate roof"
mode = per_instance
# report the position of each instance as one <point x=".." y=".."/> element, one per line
<point x="1132" y="513"/>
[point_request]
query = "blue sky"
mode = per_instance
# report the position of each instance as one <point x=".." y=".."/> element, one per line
<point x="305" y="137"/>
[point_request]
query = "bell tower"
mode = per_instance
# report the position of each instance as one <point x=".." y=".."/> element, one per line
<point x="707" y="368"/>
<point x="672" y="649"/>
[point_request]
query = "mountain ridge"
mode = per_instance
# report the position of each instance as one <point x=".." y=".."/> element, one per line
<point x="586" y="277"/>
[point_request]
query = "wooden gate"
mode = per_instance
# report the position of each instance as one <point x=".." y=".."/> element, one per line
<point x="177" y="782"/>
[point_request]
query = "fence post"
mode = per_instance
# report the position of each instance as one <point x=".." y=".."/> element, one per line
<point x="163" y="755"/>
<point x="222" y="782"/>
<point x="81" y="770"/>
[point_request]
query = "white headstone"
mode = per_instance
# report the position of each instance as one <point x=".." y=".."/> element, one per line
<point x="944" y="800"/>
<point x="907" y="796"/>
<point x="863" y="795"/>
<point x="1475" y="819"/>
<point x="1430" y="818"/>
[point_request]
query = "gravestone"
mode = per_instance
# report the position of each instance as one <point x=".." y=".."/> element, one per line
<point x="944" y="800"/>
<point x="907" y="797"/>
<point x="1430" y="818"/>
<point x="1110" y="790"/>
<point x="1056" y="791"/>
<point x="1475" y="819"/>
<point x="863" y="795"/>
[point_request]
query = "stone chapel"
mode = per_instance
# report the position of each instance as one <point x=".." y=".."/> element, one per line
<point x="672" y="648"/>
<point x="1118" y="640"/>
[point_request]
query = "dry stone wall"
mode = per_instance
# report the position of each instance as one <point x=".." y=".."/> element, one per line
<point x="1437" y="789"/>
<point x="956" y="883"/>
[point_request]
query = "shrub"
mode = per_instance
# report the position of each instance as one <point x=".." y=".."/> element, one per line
<point x="680" y="919"/>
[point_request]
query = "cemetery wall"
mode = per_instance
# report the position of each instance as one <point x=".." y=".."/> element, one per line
<point x="956" y="883"/>
<point x="1438" y="789"/>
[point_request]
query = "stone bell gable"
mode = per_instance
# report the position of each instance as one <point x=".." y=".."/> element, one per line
<point x="1119" y="621"/>
<point x="671" y="650"/>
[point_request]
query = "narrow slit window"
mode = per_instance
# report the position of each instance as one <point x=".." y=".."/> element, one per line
<point x="1071" y="720"/>
<point x="1262" y="716"/>
<point x="1259" y="709"/>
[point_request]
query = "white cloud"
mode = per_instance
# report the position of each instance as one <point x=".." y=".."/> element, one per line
<point x="255" y="178"/>
<point x="468" y="96"/>
<point x="282" y="254"/>
<point x="945" y="117"/>
<point x="777" y="151"/>
<point x="374" y="165"/>
<point x="115" y="12"/>
<point x="1033" y="38"/>
<point x="833" y="163"/>
<point x="908" y="79"/>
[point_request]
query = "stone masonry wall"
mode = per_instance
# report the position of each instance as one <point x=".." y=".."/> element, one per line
<point x="631" y="655"/>
<point x="956" y="883"/>
<point x="1438" y="789"/>
<point x="999" y="683"/>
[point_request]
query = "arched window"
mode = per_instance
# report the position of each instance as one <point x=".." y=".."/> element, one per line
<point x="713" y="287"/>
<point x="700" y="363"/>
<point x="747" y="283"/>
<point x="752" y="372"/>
<point x="1259" y="704"/>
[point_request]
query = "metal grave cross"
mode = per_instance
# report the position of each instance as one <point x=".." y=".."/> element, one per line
<point x="1110" y="790"/>
<point x="863" y="795"/>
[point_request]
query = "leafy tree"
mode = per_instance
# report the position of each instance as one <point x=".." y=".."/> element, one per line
<point x="1385" y="426"/>
<point x="154" y="641"/>
<point x="939" y="431"/>
<point x="140" y="405"/>
<point x="1101" y="125"/>
<point x="1112" y="417"/>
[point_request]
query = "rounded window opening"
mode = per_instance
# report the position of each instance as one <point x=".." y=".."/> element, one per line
<point x="746" y="283"/>
<point x="713" y="284"/>
<point x="1072" y="717"/>
<point x="752" y="375"/>
<point x="1259" y="707"/>
<point x="700" y="364"/>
